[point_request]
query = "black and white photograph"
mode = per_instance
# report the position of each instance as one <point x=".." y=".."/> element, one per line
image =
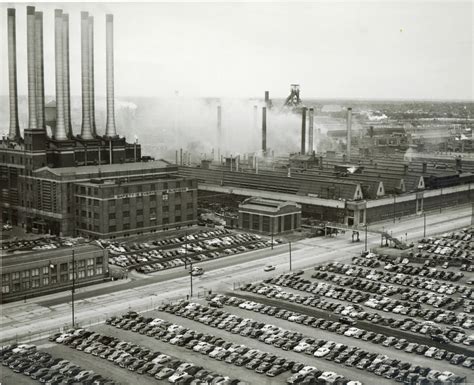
<point x="237" y="192"/>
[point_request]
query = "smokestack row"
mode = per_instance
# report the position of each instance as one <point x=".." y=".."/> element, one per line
<point x="14" y="131"/>
<point x="264" y="130"/>
<point x="35" y="71"/>
<point x="303" y="131"/>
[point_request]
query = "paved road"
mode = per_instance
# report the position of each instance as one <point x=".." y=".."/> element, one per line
<point x="24" y="320"/>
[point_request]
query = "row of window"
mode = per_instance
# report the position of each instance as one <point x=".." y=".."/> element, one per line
<point x="52" y="269"/>
<point x="46" y="281"/>
<point x="138" y="188"/>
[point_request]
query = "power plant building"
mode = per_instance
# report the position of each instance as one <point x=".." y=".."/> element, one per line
<point x="89" y="184"/>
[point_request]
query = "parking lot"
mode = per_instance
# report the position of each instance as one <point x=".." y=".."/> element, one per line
<point x="371" y="319"/>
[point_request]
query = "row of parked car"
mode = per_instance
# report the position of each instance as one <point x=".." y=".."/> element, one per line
<point x="141" y="360"/>
<point x="442" y="295"/>
<point x="358" y="292"/>
<point x="378" y="302"/>
<point x="147" y="257"/>
<point x="349" y="356"/>
<point x="452" y="245"/>
<point x="261" y="362"/>
<point x="43" y="367"/>
<point x="345" y="326"/>
<point x="44" y="243"/>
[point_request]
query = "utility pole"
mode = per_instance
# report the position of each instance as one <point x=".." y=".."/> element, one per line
<point x="424" y="224"/>
<point x="394" y="209"/>
<point x="366" y="237"/>
<point x="272" y="231"/>
<point x="73" y="285"/>
<point x="289" y="245"/>
<point x="191" y="278"/>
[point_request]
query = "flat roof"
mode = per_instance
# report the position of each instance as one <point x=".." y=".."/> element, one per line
<point x="265" y="204"/>
<point x="116" y="167"/>
<point x="12" y="259"/>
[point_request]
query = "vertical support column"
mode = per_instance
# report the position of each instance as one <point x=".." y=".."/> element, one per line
<point x="109" y="36"/>
<point x="14" y="131"/>
<point x="86" y="117"/>
<point x="66" y="77"/>
<point x="30" y="44"/>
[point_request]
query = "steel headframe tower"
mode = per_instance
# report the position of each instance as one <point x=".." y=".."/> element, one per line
<point x="293" y="100"/>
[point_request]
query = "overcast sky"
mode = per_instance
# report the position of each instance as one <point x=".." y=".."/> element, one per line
<point x="388" y="50"/>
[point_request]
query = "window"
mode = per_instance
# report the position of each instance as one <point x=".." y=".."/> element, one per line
<point x="189" y="205"/>
<point x="5" y="277"/>
<point x="139" y="224"/>
<point x="177" y="218"/>
<point x="190" y="217"/>
<point x="64" y="277"/>
<point x="126" y="214"/>
<point x="35" y="272"/>
<point x="153" y="198"/>
<point x="81" y="274"/>
<point x="99" y="260"/>
<point x="16" y="286"/>
<point x="90" y="271"/>
<point x="112" y="229"/>
<point x="35" y="283"/>
<point x="165" y="197"/>
<point x="90" y="261"/>
<point x="5" y="289"/>
<point x="140" y="212"/>
<point x="96" y="215"/>
<point x="177" y="207"/>
<point x="82" y="263"/>
<point x="166" y="221"/>
<point x="45" y="281"/>
<point x="126" y="201"/>
<point x="63" y="267"/>
<point x="98" y="270"/>
<point x="54" y="279"/>
<point x="15" y="276"/>
<point x="25" y="274"/>
<point x="111" y="216"/>
<point x="25" y="285"/>
<point x="46" y="270"/>
<point x="126" y="226"/>
<point x="166" y="209"/>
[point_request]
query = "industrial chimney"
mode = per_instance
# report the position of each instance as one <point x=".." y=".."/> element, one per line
<point x="219" y="128"/>
<point x="267" y="99"/>
<point x="264" y="130"/>
<point x="91" y="74"/>
<point x="86" y="131"/>
<point x="30" y="43"/>
<point x="303" y="131"/>
<point x="109" y="36"/>
<point x="311" y="131"/>
<point x="14" y="132"/>
<point x="349" y="128"/>
<point x="60" y="133"/>
<point x="39" y="70"/>
<point x="66" y="77"/>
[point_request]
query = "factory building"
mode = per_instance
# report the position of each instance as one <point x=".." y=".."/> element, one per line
<point x="93" y="185"/>
<point x="45" y="272"/>
<point x="269" y="216"/>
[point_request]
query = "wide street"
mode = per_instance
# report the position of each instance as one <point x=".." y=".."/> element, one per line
<point x="37" y="317"/>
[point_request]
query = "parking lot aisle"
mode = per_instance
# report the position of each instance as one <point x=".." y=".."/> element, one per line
<point x="352" y="374"/>
<point x="188" y="355"/>
<point x="100" y="366"/>
<point x="415" y="359"/>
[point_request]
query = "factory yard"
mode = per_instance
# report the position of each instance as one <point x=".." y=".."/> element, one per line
<point x="373" y="319"/>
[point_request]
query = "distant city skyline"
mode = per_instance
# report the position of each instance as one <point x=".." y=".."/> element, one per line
<point x="347" y="50"/>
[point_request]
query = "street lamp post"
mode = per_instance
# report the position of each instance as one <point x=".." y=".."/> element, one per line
<point x="191" y="279"/>
<point x="73" y="285"/>
<point x="424" y="224"/>
<point x="365" y="236"/>
<point x="289" y="246"/>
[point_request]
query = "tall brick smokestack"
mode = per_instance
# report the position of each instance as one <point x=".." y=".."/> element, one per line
<point x="303" y="131"/>
<point x="39" y="70"/>
<point x="14" y="132"/>
<point x="264" y="130"/>
<point x="311" y="130"/>
<point x="66" y="77"/>
<point x="109" y="41"/>
<point x="219" y="128"/>
<point x="349" y="133"/>
<point x="86" y="131"/>
<point x="30" y="47"/>
<point x="91" y="74"/>
<point x="60" y="133"/>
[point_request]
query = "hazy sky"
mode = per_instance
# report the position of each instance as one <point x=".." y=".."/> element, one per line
<point x="415" y="50"/>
